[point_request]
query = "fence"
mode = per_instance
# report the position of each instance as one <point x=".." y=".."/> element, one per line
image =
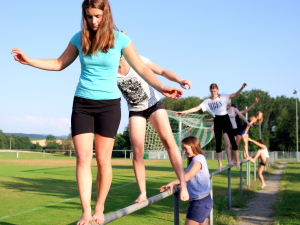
<point x="135" y="207"/>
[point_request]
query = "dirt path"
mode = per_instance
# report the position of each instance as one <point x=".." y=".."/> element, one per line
<point x="260" y="207"/>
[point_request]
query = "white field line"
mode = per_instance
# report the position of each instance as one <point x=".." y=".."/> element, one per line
<point x="70" y="199"/>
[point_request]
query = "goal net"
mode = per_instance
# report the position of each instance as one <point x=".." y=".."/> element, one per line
<point x="182" y="126"/>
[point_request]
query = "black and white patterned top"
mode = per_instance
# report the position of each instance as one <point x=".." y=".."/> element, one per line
<point x="137" y="92"/>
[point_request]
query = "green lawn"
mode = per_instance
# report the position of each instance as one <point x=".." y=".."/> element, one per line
<point x="286" y="210"/>
<point x="34" y="190"/>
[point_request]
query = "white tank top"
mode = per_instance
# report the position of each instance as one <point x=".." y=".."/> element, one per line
<point x="232" y="116"/>
<point x="265" y="151"/>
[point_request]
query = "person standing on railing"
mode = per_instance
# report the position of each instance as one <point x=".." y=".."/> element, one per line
<point x="143" y="103"/>
<point x="96" y="106"/>
<point x="198" y="180"/>
<point x="216" y="105"/>
<point x="245" y="129"/>
<point x="264" y="156"/>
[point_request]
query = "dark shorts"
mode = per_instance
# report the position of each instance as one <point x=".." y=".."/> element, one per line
<point x="96" y="116"/>
<point x="264" y="163"/>
<point x="243" y="132"/>
<point x="147" y="112"/>
<point x="200" y="209"/>
<point x="235" y="132"/>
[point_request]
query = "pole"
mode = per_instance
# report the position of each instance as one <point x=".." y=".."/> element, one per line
<point x="296" y="92"/>
<point x="10" y="143"/>
<point x="211" y="215"/>
<point x="179" y="133"/>
<point x="241" y="179"/>
<point x="229" y="188"/>
<point x="176" y="208"/>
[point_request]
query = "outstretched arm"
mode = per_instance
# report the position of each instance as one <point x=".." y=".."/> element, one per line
<point x="238" y="92"/>
<point x="251" y="107"/>
<point x="258" y="144"/>
<point x="197" y="166"/>
<point x="195" y="109"/>
<point x="146" y="73"/>
<point x="241" y="116"/>
<point x="68" y="56"/>
<point x="186" y="84"/>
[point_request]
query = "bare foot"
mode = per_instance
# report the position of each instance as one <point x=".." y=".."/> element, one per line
<point x="238" y="165"/>
<point x="85" y="219"/>
<point x="264" y="185"/>
<point x="220" y="168"/>
<point x="142" y="198"/>
<point x="184" y="195"/>
<point x="98" y="217"/>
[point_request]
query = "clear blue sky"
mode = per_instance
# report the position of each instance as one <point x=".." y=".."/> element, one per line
<point x="224" y="42"/>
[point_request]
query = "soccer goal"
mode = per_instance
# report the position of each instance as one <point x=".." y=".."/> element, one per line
<point x="182" y="126"/>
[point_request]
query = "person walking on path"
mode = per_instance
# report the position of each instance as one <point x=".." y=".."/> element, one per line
<point x="96" y="106"/>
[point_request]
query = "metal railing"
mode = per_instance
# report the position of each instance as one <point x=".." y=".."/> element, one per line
<point x="135" y="207"/>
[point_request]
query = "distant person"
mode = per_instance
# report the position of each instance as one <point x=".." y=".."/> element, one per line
<point x="216" y="105"/>
<point x="264" y="156"/>
<point x="245" y="129"/>
<point x="198" y="179"/>
<point x="143" y="103"/>
<point x="96" y="107"/>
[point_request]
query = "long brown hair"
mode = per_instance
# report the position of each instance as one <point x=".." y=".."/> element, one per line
<point x="259" y="121"/>
<point x="195" y="146"/>
<point x="103" y="39"/>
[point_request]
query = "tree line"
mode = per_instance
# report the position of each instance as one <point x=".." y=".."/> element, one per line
<point x="278" y="128"/>
<point x="19" y="142"/>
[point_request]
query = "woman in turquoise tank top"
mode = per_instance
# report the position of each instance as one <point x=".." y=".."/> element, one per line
<point x="96" y="106"/>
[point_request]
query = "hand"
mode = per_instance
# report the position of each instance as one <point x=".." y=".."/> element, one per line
<point x="169" y="187"/>
<point x="186" y="84"/>
<point x="257" y="99"/>
<point x="179" y="113"/>
<point x="249" y="125"/>
<point x="244" y="85"/>
<point x="20" y="56"/>
<point x="171" y="92"/>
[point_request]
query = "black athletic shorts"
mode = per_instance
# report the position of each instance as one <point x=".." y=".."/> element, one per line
<point x="96" y="116"/>
<point x="147" y="112"/>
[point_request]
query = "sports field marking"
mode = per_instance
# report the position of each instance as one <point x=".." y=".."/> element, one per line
<point x="70" y="199"/>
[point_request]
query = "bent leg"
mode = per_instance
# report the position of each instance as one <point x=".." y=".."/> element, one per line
<point x="161" y="124"/>
<point x="84" y="153"/>
<point x="137" y="127"/>
<point x="104" y="146"/>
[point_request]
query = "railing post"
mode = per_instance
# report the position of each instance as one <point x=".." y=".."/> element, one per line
<point x="248" y="173"/>
<point x="254" y="170"/>
<point x="241" y="179"/>
<point x="176" y="208"/>
<point x="229" y="188"/>
<point x="70" y="152"/>
<point x="211" y="216"/>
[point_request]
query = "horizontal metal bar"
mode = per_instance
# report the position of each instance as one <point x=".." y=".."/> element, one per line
<point x="132" y="208"/>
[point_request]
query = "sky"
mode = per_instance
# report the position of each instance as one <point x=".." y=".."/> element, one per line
<point x="225" y="42"/>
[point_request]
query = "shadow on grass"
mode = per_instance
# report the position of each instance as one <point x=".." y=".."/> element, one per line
<point x="4" y="223"/>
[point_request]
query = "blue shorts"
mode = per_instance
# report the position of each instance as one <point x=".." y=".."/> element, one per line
<point x="200" y="209"/>
<point x="243" y="132"/>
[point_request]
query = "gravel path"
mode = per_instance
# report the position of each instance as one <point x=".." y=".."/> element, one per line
<point x="260" y="207"/>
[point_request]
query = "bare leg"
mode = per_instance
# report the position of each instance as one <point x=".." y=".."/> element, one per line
<point x="238" y="140"/>
<point x="228" y="147"/>
<point x="236" y="156"/>
<point x="219" y="155"/>
<point x="84" y="153"/>
<point x="161" y="123"/>
<point x="137" y="136"/>
<point x="257" y="155"/>
<point x="260" y="175"/>
<point x="193" y="222"/>
<point x="245" y="139"/>
<point x="104" y="146"/>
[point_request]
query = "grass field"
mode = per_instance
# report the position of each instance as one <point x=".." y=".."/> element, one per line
<point x="34" y="190"/>
<point x="286" y="210"/>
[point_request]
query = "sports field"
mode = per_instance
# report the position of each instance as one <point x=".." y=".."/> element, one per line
<point x="34" y="190"/>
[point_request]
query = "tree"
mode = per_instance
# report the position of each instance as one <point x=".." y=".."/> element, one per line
<point x="51" y="142"/>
